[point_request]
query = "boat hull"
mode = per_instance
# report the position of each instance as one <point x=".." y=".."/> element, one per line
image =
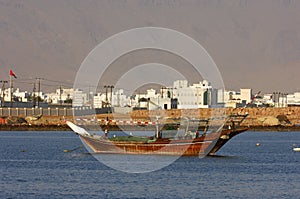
<point x="296" y="149"/>
<point x="204" y="145"/>
<point x="224" y="138"/>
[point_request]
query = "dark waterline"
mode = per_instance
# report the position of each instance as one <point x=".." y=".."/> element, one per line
<point x="34" y="165"/>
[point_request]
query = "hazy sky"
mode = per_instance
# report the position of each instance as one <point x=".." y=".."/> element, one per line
<point x="255" y="44"/>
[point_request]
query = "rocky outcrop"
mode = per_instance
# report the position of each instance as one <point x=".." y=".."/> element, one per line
<point x="268" y="121"/>
<point x="30" y="119"/>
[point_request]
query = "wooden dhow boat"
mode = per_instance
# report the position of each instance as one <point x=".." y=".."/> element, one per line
<point x="167" y="142"/>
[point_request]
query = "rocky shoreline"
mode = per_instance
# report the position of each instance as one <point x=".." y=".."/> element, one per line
<point x="64" y="127"/>
<point x="259" y="119"/>
<point x="34" y="128"/>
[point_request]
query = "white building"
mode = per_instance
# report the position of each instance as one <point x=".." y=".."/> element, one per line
<point x="7" y="94"/>
<point x="118" y="98"/>
<point x="97" y="100"/>
<point x="200" y="95"/>
<point x="235" y="99"/>
<point x="281" y="99"/>
<point x="59" y="96"/>
<point x="268" y="100"/>
<point x="154" y="101"/>
<point x="160" y="100"/>
<point x="292" y="99"/>
<point x="79" y="98"/>
<point x="23" y="96"/>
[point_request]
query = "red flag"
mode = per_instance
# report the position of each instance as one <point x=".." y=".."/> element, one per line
<point x="11" y="73"/>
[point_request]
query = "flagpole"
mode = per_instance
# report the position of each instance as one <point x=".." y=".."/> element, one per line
<point x="10" y="85"/>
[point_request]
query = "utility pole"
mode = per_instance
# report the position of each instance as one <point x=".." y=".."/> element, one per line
<point x="39" y="89"/>
<point x="60" y="90"/>
<point x="33" y="98"/>
<point x="3" y="94"/>
<point x="139" y="101"/>
<point x="111" y="94"/>
<point x="278" y="99"/>
<point x="106" y="98"/>
<point x="106" y="95"/>
<point x="162" y="91"/>
<point x="118" y="98"/>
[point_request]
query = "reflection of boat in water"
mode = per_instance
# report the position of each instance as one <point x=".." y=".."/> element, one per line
<point x="172" y="142"/>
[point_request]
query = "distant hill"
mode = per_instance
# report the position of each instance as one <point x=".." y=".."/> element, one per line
<point x="254" y="43"/>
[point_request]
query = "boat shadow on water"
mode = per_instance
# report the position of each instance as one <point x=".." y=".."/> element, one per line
<point x="180" y="157"/>
<point x="222" y="156"/>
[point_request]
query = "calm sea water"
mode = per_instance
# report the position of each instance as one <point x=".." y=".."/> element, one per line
<point x="34" y="165"/>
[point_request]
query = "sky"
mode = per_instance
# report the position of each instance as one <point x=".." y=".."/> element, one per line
<point x="255" y="44"/>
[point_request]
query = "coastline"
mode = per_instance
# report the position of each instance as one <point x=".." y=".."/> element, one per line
<point x="16" y="127"/>
<point x="259" y="119"/>
<point x="64" y="127"/>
